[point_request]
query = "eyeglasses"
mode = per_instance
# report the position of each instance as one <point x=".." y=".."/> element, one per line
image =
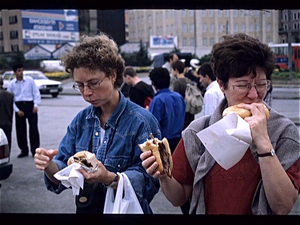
<point x="93" y="85"/>
<point x="261" y="86"/>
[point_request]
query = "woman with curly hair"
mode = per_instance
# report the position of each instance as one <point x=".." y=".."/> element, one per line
<point x="111" y="127"/>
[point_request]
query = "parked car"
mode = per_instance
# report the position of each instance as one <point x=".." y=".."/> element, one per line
<point x="5" y="166"/>
<point x="44" y="84"/>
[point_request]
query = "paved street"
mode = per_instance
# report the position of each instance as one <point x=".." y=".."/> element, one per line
<point x="24" y="191"/>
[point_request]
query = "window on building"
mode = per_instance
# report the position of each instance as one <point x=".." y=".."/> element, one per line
<point x="285" y="27"/>
<point x="204" y="27"/>
<point x="235" y="27"/>
<point x="1" y="35"/>
<point x="184" y="42"/>
<point x="14" y="34"/>
<point x="250" y="13"/>
<point x="211" y="13"/>
<point x="269" y="26"/>
<point x="13" y="19"/>
<point x="1" y="49"/>
<point x="220" y="27"/>
<point x="192" y="41"/>
<point x="191" y="28"/>
<point x="235" y="13"/>
<point x="295" y="26"/>
<point x="149" y="18"/>
<point x="242" y="27"/>
<point x="184" y="28"/>
<point x="204" y="42"/>
<point x="220" y="13"/>
<point x="242" y="13"/>
<point x="251" y="27"/>
<point x="14" y="48"/>
<point x="257" y="27"/>
<point x="211" y="27"/>
<point x="256" y="13"/>
<point x="150" y="30"/>
<point x="183" y="13"/>
<point x="203" y="13"/>
<point x="191" y="13"/>
<point x="226" y="13"/>
<point x="268" y="39"/>
<point x="211" y="41"/>
<point x="0" y="21"/>
<point x="172" y="29"/>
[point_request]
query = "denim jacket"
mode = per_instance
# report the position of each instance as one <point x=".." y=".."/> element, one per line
<point x="128" y="126"/>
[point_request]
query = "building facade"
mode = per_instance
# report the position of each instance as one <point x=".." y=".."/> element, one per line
<point x="292" y="15"/>
<point x="198" y="30"/>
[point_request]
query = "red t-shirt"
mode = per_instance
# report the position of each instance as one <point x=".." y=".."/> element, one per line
<point x="227" y="191"/>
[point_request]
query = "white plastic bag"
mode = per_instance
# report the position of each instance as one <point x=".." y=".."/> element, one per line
<point x="125" y="200"/>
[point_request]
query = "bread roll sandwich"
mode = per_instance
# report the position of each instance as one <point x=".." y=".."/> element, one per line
<point x="242" y="112"/>
<point x="162" y="153"/>
<point x="85" y="159"/>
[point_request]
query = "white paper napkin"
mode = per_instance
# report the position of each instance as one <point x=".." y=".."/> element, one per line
<point x="70" y="177"/>
<point x="227" y="140"/>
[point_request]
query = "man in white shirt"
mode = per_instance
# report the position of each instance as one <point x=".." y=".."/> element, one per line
<point x="213" y="94"/>
<point x="27" y="97"/>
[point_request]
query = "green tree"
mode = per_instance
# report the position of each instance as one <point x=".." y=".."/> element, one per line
<point x="142" y="57"/>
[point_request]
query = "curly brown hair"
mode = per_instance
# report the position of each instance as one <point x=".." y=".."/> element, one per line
<point x="239" y="55"/>
<point x="99" y="52"/>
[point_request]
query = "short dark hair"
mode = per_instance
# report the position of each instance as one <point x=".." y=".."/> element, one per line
<point x="178" y="65"/>
<point x="171" y="56"/>
<point x="238" y="55"/>
<point x="129" y="71"/>
<point x="160" y="77"/>
<point x="17" y="66"/>
<point x="205" y="69"/>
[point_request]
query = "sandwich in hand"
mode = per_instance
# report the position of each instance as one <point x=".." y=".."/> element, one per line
<point x="162" y="153"/>
<point x="242" y="112"/>
<point x="85" y="159"/>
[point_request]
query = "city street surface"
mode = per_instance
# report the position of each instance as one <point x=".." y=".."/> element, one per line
<point x="24" y="191"/>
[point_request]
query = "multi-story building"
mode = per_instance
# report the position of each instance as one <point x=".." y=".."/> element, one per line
<point x="294" y="19"/>
<point x="198" y="30"/>
<point x="90" y="22"/>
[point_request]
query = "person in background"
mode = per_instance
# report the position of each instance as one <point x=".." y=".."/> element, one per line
<point x="266" y="180"/>
<point x="180" y="86"/>
<point x="213" y="94"/>
<point x="269" y="96"/>
<point x="167" y="106"/>
<point x="171" y="58"/>
<point x="6" y="111"/>
<point x="139" y="90"/>
<point x="27" y="98"/>
<point x="111" y="127"/>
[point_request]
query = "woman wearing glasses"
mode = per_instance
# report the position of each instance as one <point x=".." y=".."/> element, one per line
<point x="266" y="179"/>
<point x="111" y="127"/>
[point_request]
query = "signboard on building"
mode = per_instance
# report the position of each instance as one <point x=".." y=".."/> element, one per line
<point x="50" y="26"/>
<point x="163" y="41"/>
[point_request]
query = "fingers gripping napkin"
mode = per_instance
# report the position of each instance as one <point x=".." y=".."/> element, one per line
<point x="70" y="176"/>
<point x="162" y="153"/>
<point x="242" y="112"/>
<point x="228" y="139"/>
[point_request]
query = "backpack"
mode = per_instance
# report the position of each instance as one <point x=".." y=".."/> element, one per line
<point x="193" y="98"/>
<point x="147" y="101"/>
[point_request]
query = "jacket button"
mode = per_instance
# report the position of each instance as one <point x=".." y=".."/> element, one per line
<point x="96" y="133"/>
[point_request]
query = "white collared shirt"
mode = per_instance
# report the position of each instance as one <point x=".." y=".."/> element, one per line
<point x="24" y="90"/>
<point x="212" y="98"/>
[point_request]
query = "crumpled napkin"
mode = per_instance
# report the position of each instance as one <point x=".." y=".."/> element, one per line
<point x="227" y="140"/>
<point x="71" y="177"/>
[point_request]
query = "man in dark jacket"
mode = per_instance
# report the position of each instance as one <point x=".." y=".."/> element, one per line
<point x="139" y="90"/>
<point x="6" y="111"/>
